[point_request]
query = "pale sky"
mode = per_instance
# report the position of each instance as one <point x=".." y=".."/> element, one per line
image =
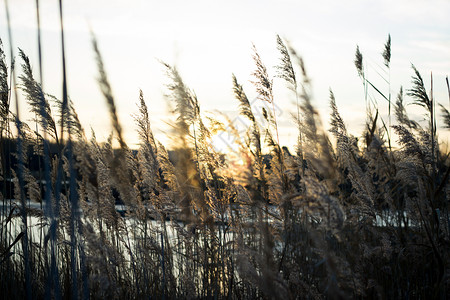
<point x="210" y="40"/>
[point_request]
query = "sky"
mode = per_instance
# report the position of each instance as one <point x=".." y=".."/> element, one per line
<point x="208" y="41"/>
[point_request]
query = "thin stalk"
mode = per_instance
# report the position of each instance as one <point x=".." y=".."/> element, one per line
<point x="20" y="164"/>
<point x="73" y="193"/>
<point x="41" y="80"/>
<point x="389" y="112"/>
<point x="433" y="155"/>
<point x="163" y="267"/>
<point x="448" y="88"/>
<point x="64" y="84"/>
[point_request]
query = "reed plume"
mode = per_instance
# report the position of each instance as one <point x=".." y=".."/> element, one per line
<point x="4" y="89"/>
<point x="36" y="99"/>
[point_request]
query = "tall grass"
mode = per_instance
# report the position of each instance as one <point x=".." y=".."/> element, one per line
<point x="357" y="219"/>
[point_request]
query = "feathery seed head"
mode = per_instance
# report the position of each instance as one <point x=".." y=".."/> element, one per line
<point x="387" y="52"/>
<point x="359" y="62"/>
<point x="418" y="91"/>
<point x="263" y="83"/>
<point x="285" y="68"/>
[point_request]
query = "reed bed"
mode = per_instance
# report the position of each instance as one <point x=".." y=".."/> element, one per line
<point x="352" y="218"/>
